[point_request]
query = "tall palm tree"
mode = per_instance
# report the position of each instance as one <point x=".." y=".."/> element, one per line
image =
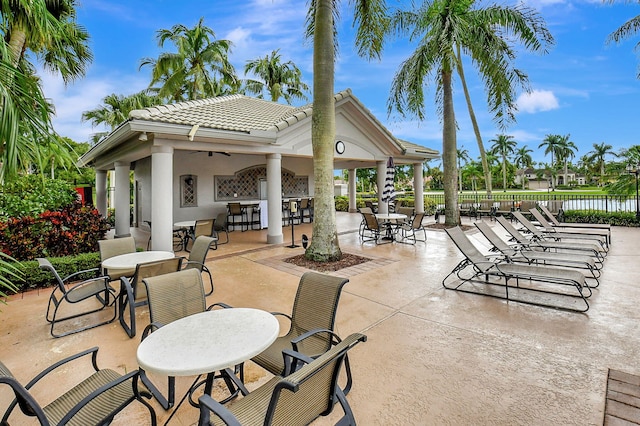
<point x="463" y="156"/>
<point x="503" y="145"/>
<point x="551" y="144"/>
<point x="626" y="30"/>
<point x="566" y="151"/>
<point x="369" y="21"/>
<point x="597" y="156"/>
<point x="487" y="36"/>
<point x="199" y="69"/>
<point x="278" y="79"/>
<point x="523" y="160"/>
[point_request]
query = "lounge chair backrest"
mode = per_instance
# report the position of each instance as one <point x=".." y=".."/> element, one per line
<point x="527" y="224"/>
<point x="467" y="248"/>
<point x="493" y="238"/>
<point x="550" y="215"/>
<point x="366" y="210"/>
<point x="46" y="265"/>
<point x="512" y="230"/>
<point x="175" y="295"/>
<point x="541" y="219"/>
<point x="314" y="307"/>
<point x="115" y="247"/>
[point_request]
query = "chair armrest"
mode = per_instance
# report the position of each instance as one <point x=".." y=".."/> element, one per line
<point x="75" y="274"/>
<point x="220" y="304"/>
<point x="293" y="361"/>
<point x="150" y="328"/>
<point x="208" y="404"/>
<point x="92" y="351"/>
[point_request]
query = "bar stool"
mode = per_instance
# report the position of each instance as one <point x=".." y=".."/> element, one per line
<point x="255" y="216"/>
<point x="234" y="210"/>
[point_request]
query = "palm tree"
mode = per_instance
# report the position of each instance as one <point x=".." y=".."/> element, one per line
<point x="486" y="34"/>
<point x="463" y="156"/>
<point x="116" y="108"/>
<point x="551" y="144"/>
<point x="199" y="69"/>
<point x="280" y="80"/>
<point x="566" y="151"/>
<point x="523" y="160"/>
<point x="597" y="156"/>
<point x="627" y="30"/>
<point x="503" y="145"/>
<point x="370" y="21"/>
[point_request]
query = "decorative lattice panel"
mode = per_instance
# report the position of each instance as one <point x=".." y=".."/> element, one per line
<point x="245" y="184"/>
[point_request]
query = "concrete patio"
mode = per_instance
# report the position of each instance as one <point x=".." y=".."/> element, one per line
<point x="433" y="356"/>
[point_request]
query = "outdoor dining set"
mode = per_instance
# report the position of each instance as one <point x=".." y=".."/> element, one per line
<point x="186" y="337"/>
<point x="403" y="226"/>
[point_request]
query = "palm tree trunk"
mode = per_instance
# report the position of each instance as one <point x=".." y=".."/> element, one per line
<point x="449" y="153"/>
<point x="324" y="245"/>
<point x="476" y="128"/>
<point x="504" y="173"/>
<point x="17" y="43"/>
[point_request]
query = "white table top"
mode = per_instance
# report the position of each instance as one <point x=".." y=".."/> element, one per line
<point x="131" y="260"/>
<point x="185" y="224"/>
<point x="207" y="342"/>
<point x="389" y="216"/>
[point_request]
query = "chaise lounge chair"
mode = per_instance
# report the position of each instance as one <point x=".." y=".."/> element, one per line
<point x="541" y="242"/>
<point x="530" y="284"/>
<point x="600" y="234"/>
<point x="554" y="221"/>
<point x="525" y="254"/>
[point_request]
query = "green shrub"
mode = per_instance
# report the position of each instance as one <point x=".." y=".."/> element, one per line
<point x="598" y="216"/>
<point x="34" y="277"/>
<point x="31" y="195"/>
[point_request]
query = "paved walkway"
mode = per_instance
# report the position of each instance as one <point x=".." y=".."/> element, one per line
<point x="433" y="356"/>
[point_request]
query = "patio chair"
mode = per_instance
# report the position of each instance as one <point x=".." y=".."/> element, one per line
<point x="304" y="209"/>
<point x="363" y="221"/>
<point x="467" y="208"/>
<point x="525" y="254"/>
<point x="505" y="208"/>
<point x="133" y="294"/>
<point x="485" y="209"/>
<point x="86" y="292"/>
<point x="115" y="247"/>
<point x="235" y="210"/>
<point x="171" y="297"/>
<point x="220" y="225"/>
<point x="198" y="257"/>
<point x="542" y="243"/>
<point x="526" y="205"/>
<point x="295" y="398"/>
<point x="372" y="229"/>
<point x="371" y="206"/>
<point x="542" y="234"/>
<point x="95" y="400"/>
<point x="312" y="323"/>
<point x="559" y="224"/>
<point x="595" y="234"/>
<point x="475" y="272"/>
<point x="409" y="229"/>
<point x="203" y="227"/>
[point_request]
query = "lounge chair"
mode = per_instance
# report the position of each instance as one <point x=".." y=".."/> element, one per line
<point x="559" y="236"/>
<point x="540" y="242"/>
<point x="485" y="209"/>
<point x="94" y="401"/>
<point x="559" y="224"/>
<point x="467" y="208"/>
<point x="296" y="398"/>
<point x="599" y="234"/>
<point x="525" y="254"/>
<point x="531" y="284"/>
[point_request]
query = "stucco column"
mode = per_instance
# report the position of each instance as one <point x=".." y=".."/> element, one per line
<point x="383" y="208"/>
<point x="122" y="205"/>
<point x="162" y="198"/>
<point x="418" y="187"/>
<point x="353" y="208"/>
<point x="274" y="198"/>
<point x="101" y="192"/>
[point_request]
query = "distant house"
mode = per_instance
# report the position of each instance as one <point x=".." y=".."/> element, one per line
<point x="541" y="178"/>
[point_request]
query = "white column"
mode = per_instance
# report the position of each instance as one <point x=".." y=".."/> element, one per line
<point x="383" y="208"/>
<point x="101" y="192"/>
<point x="122" y="199"/>
<point x="162" y="198"/>
<point x="353" y="208"/>
<point x="418" y="187"/>
<point x="274" y="198"/>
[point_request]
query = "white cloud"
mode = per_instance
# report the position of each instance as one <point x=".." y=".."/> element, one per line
<point x="536" y="101"/>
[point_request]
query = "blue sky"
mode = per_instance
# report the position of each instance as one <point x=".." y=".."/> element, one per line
<point x="583" y="87"/>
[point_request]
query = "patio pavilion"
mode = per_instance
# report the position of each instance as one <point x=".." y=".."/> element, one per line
<point x="190" y="159"/>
